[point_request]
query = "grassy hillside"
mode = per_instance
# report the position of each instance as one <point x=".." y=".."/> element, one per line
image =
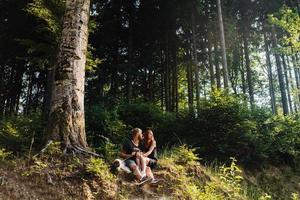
<point x="56" y="176"/>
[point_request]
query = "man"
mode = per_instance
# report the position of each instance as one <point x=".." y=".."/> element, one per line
<point x="131" y="151"/>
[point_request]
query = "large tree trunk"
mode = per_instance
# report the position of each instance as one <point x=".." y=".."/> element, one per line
<point x="223" y="46"/>
<point x="66" y="120"/>
<point x="280" y="75"/>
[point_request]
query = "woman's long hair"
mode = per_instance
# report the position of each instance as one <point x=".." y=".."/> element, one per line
<point x="148" y="138"/>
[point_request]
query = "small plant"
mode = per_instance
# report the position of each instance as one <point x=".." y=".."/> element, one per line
<point x="36" y="168"/>
<point x="231" y="177"/>
<point x="185" y="155"/>
<point x="109" y="150"/>
<point x="4" y="154"/>
<point x="99" y="168"/>
<point x="53" y="148"/>
<point x="295" y="196"/>
<point x="265" y="196"/>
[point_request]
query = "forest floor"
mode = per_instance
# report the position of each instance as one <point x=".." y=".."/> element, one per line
<point x="67" y="177"/>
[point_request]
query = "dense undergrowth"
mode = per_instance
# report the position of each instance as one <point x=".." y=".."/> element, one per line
<point x="266" y="146"/>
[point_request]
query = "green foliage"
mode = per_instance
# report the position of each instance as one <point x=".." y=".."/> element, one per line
<point x="109" y="150"/>
<point x="99" y="168"/>
<point x="4" y="154"/>
<point x="184" y="184"/>
<point x="53" y="149"/>
<point x="279" y="138"/>
<point x="141" y="115"/>
<point x="50" y="12"/>
<point x="288" y="19"/>
<point x="184" y="155"/>
<point x="36" y="168"/>
<point x="100" y="122"/>
<point x="16" y="132"/>
<point x="231" y="177"/>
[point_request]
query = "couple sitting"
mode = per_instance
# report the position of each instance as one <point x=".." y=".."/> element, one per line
<point x="140" y="154"/>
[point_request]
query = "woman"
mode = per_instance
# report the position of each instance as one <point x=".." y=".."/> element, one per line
<point x="149" y="155"/>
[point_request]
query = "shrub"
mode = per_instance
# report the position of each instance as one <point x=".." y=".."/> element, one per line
<point x="232" y="178"/>
<point x="102" y="123"/>
<point x="4" y="154"/>
<point x="16" y="132"/>
<point x="141" y="115"/>
<point x="99" y="168"/>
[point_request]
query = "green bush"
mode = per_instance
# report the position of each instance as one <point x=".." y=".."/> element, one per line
<point x="4" y="154"/>
<point x="99" y="168"/>
<point x="141" y="115"/>
<point x="16" y="132"/>
<point x="103" y="123"/>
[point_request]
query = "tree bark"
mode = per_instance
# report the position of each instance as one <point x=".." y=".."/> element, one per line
<point x="285" y="69"/>
<point x="66" y="119"/>
<point x="270" y="76"/>
<point x="292" y="83"/>
<point x="223" y="46"/>
<point x="247" y="61"/>
<point x="296" y="79"/>
<point x="130" y="52"/>
<point x="211" y="67"/>
<point x="280" y="75"/>
<point x="196" y="61"/>
<point x="216" y="59"/>
<point x="190" y="87"/>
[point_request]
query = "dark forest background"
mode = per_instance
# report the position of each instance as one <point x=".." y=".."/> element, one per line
<point x="160" y="64"/>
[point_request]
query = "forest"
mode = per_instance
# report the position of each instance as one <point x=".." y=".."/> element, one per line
<point x="217" y="81"/>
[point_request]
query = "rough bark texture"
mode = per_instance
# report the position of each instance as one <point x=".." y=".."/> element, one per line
<point x="223" y="46"/>
<point x="270" y="76"/>
<point x="280" y="75"/>
<point x="66" y="120"/>
<point x="248" y="70"/>
<point x="285" y="69"/>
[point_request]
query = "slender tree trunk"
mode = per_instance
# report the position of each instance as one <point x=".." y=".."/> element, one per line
<point x="211" y="67"/>
<point x="175" y="80"/>
<point x="190" y="88"/>
<point x="66" y="121"/>
<point x="130" y="53"/>
<point x="196" y="61"/>
<point x="248" y="67"/>
<point x="223" y="46"/>
<point x="285" y="69"/>
<point x="218" y="71"/>
<point x="166" y="74"/>
<point x="280" y="75"/>
<point x="242" y="70"/>
<point x="296" y="79"/>
<point x="270" y="76"/>
<point x="292" y="83"/>
<point x="29" y="93"/>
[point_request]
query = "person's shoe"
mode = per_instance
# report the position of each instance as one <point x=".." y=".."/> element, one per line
<point x="144" y="180"/>
<point x="154" y="181"/>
